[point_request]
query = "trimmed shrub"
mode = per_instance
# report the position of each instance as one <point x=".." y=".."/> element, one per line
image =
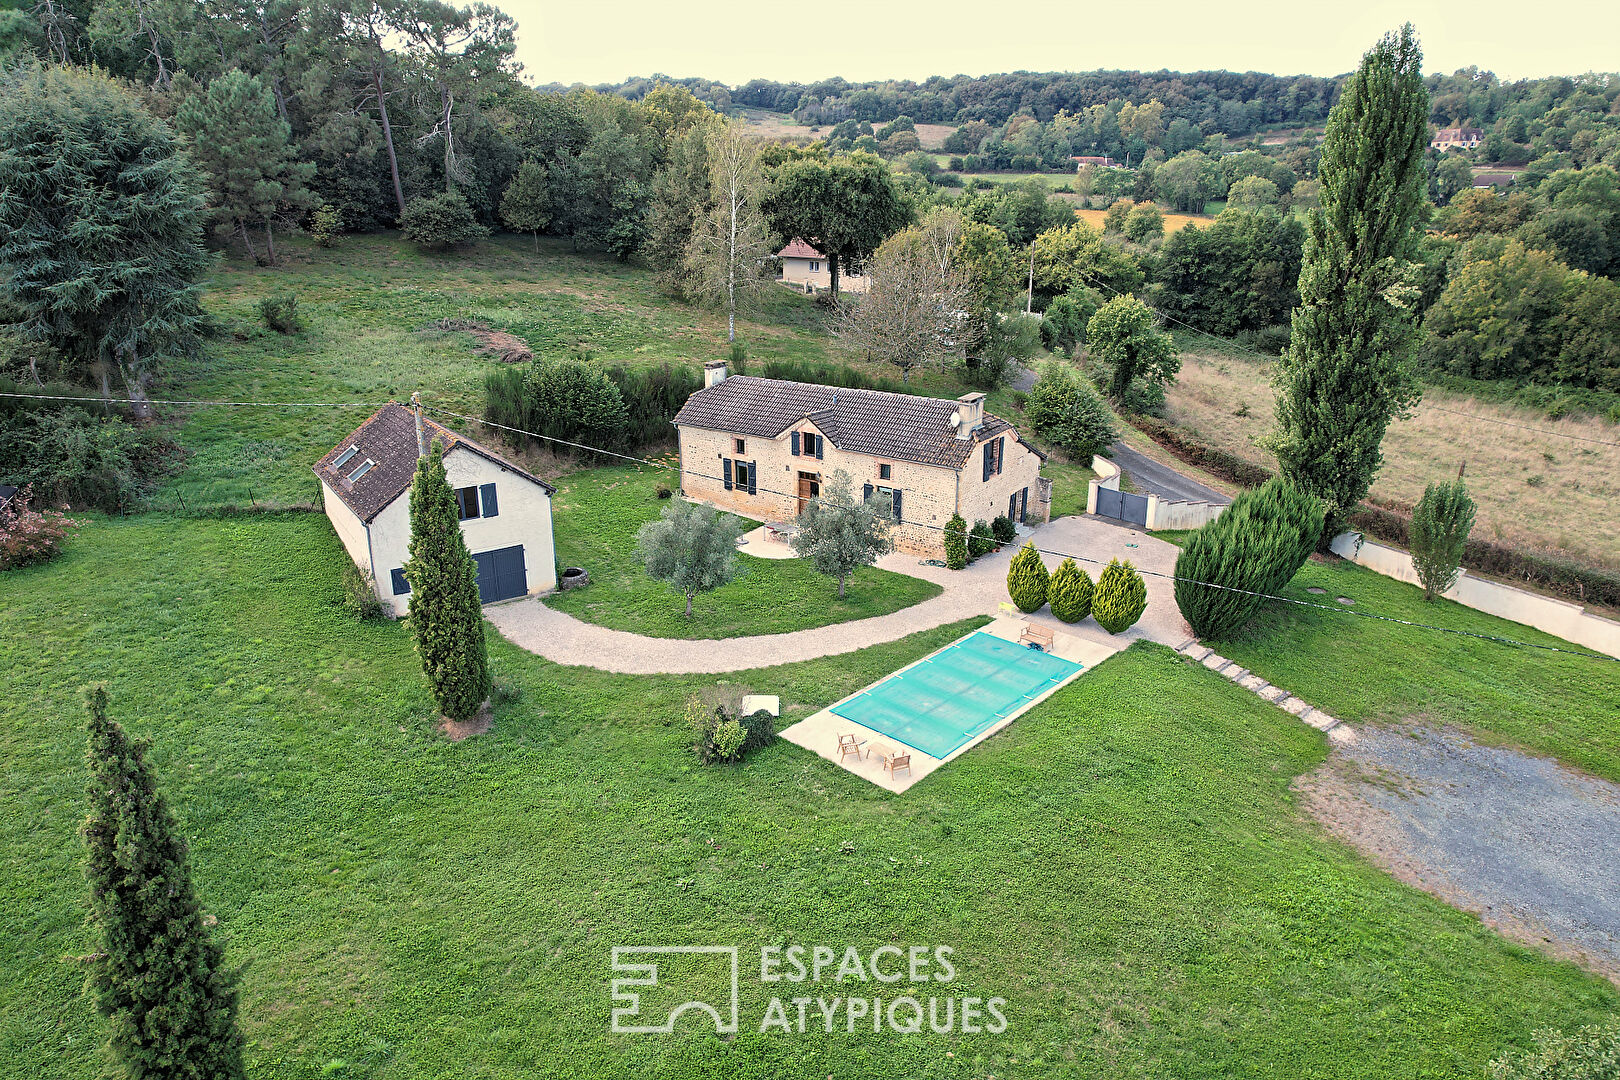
<point x="1119" y="598"/>
<point x="981" y="541"/>
<point x="1003" y="529"/>
<point x="1588" y="1053"/>
<point x="1070" y="592"/>
<point x="1255" y="546"/>
<point x="1067" y="411"/>
<point x="1441" y="523"/>
<point x="1027" y="579"/>
<point x="440" y="221"/>
<point x="720" y="734"/>
<point x="280" y="313"/>
<point x="956" y="548"/>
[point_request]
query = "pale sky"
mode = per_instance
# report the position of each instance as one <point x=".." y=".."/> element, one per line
<point x="567" y="41"/>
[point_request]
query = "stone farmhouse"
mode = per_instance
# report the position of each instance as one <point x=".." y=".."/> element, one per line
<point x="1457" y="138"/>
<point x="505" y="512"/>
<point x="763" y="447"/>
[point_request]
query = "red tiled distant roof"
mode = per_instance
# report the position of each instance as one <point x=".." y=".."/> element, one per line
<point x="876" y="422"/>
<point x="389" y="439"/>
<point x="798" y="249"/>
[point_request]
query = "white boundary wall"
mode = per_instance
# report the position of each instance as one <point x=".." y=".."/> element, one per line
<point x="1559" y="617"/>
<point x="1107" y="477"/>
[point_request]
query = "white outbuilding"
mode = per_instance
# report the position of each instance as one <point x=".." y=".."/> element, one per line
<point x="505" y="511"/>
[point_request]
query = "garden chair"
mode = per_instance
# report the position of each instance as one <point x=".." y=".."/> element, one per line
<point x="848" y="746"/>
<point x="893" y="763"/>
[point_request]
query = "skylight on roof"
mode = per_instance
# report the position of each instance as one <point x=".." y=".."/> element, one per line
<point x="365" y="467"/>
<point x="343" y="458"/>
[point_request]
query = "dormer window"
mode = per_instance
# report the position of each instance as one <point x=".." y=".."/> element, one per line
<point x="365" y="467"/>
<point x="343" y="458"/>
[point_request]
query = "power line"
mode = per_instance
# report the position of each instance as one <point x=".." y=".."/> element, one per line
<point x="170" y="401"/>
<point x="1059" y="554"/>
<point x="1526" y="427"/>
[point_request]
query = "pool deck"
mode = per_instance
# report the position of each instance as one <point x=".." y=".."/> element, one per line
<point x="819" y="732"/>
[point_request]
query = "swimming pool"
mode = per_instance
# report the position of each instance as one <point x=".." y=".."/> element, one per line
<point x="956" y="695"/>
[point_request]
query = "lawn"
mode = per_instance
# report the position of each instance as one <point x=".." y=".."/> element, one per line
<point x="596" y="514"/>
<point x="368" y="305"/>
<point x="1125" y="864"/>
<point x="1364" y="669"/>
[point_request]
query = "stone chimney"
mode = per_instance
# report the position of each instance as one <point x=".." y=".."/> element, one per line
<point x="714" y="373"/>
<point x="969" y="415"/>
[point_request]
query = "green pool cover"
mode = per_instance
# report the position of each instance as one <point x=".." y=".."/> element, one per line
<point x="956" y="695"/>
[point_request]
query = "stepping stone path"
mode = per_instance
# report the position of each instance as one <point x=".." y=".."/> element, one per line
<point x="1335" y="730"/>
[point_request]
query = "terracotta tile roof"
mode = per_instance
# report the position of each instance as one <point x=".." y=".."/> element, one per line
<point x="900" y="426"/>
<point x="798" y="249"/>
<point x="388" y="439"/>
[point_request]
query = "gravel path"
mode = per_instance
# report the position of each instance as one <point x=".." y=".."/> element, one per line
<point x="977" y="590"/>
<point x="1531" y="846"/>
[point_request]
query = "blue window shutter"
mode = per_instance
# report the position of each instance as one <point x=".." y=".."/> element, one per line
<point x="486" y="496"/>
<point x="866" y="493"/>
<point x="795" y="438"/>
<point x="728" y="473"/>
<point x="987" y="449"/>
<point x="897" y="504"/>
<point x="401" y="586"/>
<point x="819" y="441"/>
<point x="753" y="478"/>
<point x="1001" y="447"/>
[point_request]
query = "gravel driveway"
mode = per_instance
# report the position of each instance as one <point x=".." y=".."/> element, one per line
<point x="1531" y="846"/>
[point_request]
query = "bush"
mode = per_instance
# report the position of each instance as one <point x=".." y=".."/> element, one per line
<point x="440" y="221"/>
<point x="956" y="548"/>
<point x="1003" y="529"/>
<point x="1070" y="592"/>
<point x="1063" y="325"/>
<point x="1068" y="412"/>
<point x="720" y="734"/>
<point x="652" y="396"/>
<point x="981" y="541"/>
<point x="325" y="225"/>
<point x="663" y="491"/>
<point x="280" y="313"/>
<point x="1144" y="223"/>
<point x="1143" y="398"/>
<point x="29" y="536"/>
<point x="1119" y="598"/>
<point x="1441" y="522"/>
<point x="1255" y="547"/>
<point x="1589" y="1053"/>
<point x="360" y="594"/>
<point x="807" y="371"/>
<point x="71" y="456"/>
<point x="1027" y="579"/>
<point x="576" y="401"/>
<point x="738" y="361"/>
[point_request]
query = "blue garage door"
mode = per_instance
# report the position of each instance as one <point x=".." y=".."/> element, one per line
<point x="501" y="574"/>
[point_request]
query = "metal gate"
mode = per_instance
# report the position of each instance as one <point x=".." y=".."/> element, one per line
<point x="1129" y="508"/>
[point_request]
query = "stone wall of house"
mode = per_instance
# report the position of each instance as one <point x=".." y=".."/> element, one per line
<point x="929" y="494"/>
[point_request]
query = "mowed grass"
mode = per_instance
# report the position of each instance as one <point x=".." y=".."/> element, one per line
<point x="1124" y="864"/>
<point x="368" y="305"/>
<point x="1359" y="668"/>
<point x="1534" y="490"/>
<point x="595" y="517"/>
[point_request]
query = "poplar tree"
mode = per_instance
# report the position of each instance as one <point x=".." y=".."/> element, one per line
<point x="157" y="974"/>
<point x="1348" y="369"/>
<point x="447" y="621"/>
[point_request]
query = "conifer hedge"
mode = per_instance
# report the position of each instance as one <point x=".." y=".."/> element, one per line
<point x="1256" y="546"/>
<point x="1119" y="598"/>
<point x="1070" y="592"/>
<point x="1027" y="579"/>
<point x="956" y="547"/>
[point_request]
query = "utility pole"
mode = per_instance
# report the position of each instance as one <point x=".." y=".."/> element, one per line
<point x="421" y="434"/>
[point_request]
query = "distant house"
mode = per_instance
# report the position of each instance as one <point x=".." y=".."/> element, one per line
<point x="1103" y="162"/>
<point x="1493" y="178"/>
<point x="1457" y="138"/>
<point x="804" y="266"/>
<point x="505" y="512"/>
<point x="764" y="447"/>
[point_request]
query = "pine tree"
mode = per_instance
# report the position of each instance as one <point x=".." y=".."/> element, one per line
<point x="1440" y="527"/>
<point x="1027" y="579"/>
<point x="956" y="547"/>
<point x="157" y="975"/>
<point x="447" y="622"/>
<point x="1119" y="598"/>
<point x="1348" y="370"/>
<point x="1070" y="592"/>
<point x="247" y="152"/>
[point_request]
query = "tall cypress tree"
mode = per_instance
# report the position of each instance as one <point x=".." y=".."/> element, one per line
<point x="447" y="621"/>
<point x="1348" y="369"/>
<point x="158" y="975"/>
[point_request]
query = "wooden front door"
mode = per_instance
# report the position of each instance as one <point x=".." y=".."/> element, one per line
<point x="809" y="488"/>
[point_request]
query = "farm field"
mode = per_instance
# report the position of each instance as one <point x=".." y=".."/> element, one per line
<point x="1534" y="490"/>
<point x="1172" y="222"/>
<point x="1126" y="865"/>
<point x="774" y="125"/>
